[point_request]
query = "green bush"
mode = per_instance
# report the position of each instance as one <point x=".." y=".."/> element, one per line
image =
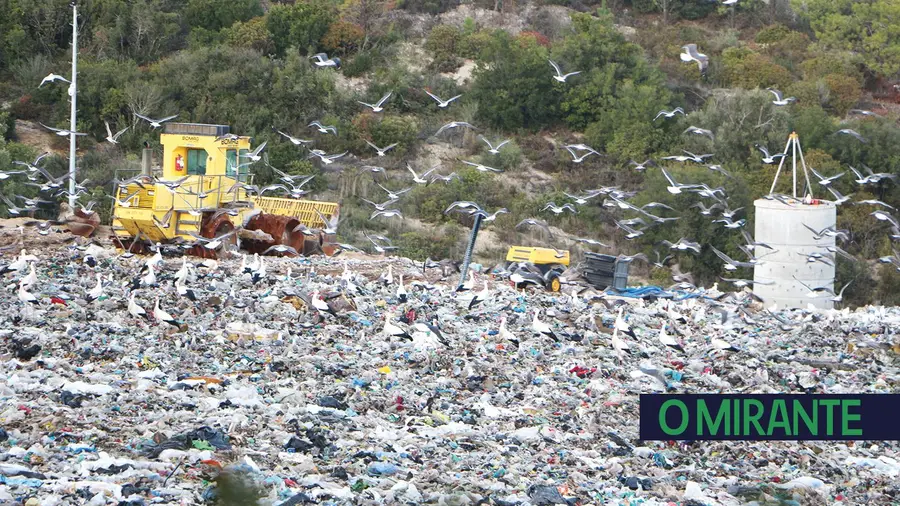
<point x="437" y="244"/>
<point x="214" y="15"/>
<point x="302" y="24"/>
<point x="343" y="37"/>
<point x="444" y="44"/>
<point x="400" y="129"/>
<point x="771" y="34"/>
<point x="250" y="34"/>
<point x="746" y="69"/>
<point x="360" y="64"/>
<point x="473" y="45"/>
<point x="888" y="287"/>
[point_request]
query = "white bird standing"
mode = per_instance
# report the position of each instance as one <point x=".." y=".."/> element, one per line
<point x="26" y="296"/>
<point x="391" y="330"/>
<point x="31" y="278"/>
<point x="539" y="327"/>
<point x="96" y="292"/>
<point x="401" y="291"/>
<point x="162" y="316"/>
<point x="668" y="340"/>
<point x="480" y="297"/>
<point x="134" y="309"/>
<point x="623" y="326"/>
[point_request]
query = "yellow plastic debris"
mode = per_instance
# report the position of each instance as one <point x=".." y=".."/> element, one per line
<point x="385" y="370"/>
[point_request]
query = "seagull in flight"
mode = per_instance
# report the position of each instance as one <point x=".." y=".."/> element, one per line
<point x="382" y="151"/>
<point x="378" y="106"/>
<point x="533" y="222"/>
<point x="322" y="60"/>
<point x="643" y="165"/>
<point x="480" y="168"/>
<point x="675" y="188"/>
<point x="114" y="139"/>
<point x="690" y="53"/>
<point x="255" y="154"/>
<point x="61" y="131"/>
<point x="779" y="98"/>
<point x="769" y="158"/>
<point x="824" y="181"/>
<point x="730" y="263"/>
<point x="156" y="123"/>
<point x="454" y="124"/>
<point x="380" y="207"/>
<point x="699" y="131"/>
<point x="852" y="133"/>
<point x="591" y="242"/>
<point x="393" y="195"/>
<point x="388" y="213"/>
<point x="326" y="159"/>
<point x="441" y="102"/>
<point x="864" y="113"/>
<point x="493" y="149"/>
<point x="559" y="75"/>
<point x="557" y="210"/>
<point x="669" y="114"/>
<point x="571" y="148"/>
<point x="423" y="178"/>
<point x="322" y="128"/>
<point x="52" y="78"/>
<point x="296" y="141"/>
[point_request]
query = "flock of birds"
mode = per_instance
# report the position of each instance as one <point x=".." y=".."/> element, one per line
<point x="715" y="200"/>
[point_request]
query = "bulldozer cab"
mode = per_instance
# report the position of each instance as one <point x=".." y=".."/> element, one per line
<point x="198" y="194"/>
<point x="549" y="261"/>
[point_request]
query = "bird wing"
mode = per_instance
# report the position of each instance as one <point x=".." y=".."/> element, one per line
<point x="384" y="99"/>
<point x="555" y="67"/>
<point x="778" y="95"/>
<point x="669" y="177"/>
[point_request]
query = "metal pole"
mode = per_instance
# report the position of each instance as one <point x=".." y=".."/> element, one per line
<point x="780" y="164"/>
<point x="794" y="163"/>
<point x="805" y="172"/>
<point x="468" y="258"/>
<point x="73" y="93"/>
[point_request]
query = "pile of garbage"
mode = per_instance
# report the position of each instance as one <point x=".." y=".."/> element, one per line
<point x="285" y="387"/>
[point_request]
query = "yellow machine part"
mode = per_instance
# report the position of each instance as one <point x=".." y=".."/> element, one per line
<point x="303" y="210"/>
<point x="537" y="256"/>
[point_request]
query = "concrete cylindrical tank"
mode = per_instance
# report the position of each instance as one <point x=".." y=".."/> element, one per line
<point x="782" y="227"/>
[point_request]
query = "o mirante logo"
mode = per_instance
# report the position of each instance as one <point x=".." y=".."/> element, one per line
<point x="769" y="417"/>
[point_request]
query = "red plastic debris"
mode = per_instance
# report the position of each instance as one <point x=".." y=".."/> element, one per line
<point x="24" y="408"/>
<point x="583" y="372"/>
<point x="57" y="300"/>
<point x="399" y="403"/>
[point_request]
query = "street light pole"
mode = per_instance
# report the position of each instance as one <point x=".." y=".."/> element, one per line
<point x="73" y="92"/>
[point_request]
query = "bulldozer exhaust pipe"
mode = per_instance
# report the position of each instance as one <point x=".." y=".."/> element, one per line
<point x="146" y="161"/>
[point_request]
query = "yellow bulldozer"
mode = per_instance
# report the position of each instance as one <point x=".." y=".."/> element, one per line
<point x="203" y="192"/>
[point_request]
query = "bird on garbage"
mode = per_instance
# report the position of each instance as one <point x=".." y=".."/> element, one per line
<point x="26" y="296"/>
<point x="668" y="340"/>
<point x="162" y="316"/>
<point x="96" y="292"/>
<point x="391" y="330"/>
<point x="134" y="309"/>
<point x="401" y="291"/>
<point x="623" y="326"/>
<point x="480" y="297"/>
<point x="539" y="327"/>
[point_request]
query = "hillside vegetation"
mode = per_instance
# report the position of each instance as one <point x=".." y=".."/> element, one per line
<point x="246" y="63"/>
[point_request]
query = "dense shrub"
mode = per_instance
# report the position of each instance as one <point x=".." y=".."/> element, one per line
<point x="343" y="37"/>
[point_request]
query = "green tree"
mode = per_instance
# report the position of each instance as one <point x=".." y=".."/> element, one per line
<point x="870" y="28"/>
<point x="215" y="15"/>
<point x="513" y="85"/>
<point x="301" y="25"/>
